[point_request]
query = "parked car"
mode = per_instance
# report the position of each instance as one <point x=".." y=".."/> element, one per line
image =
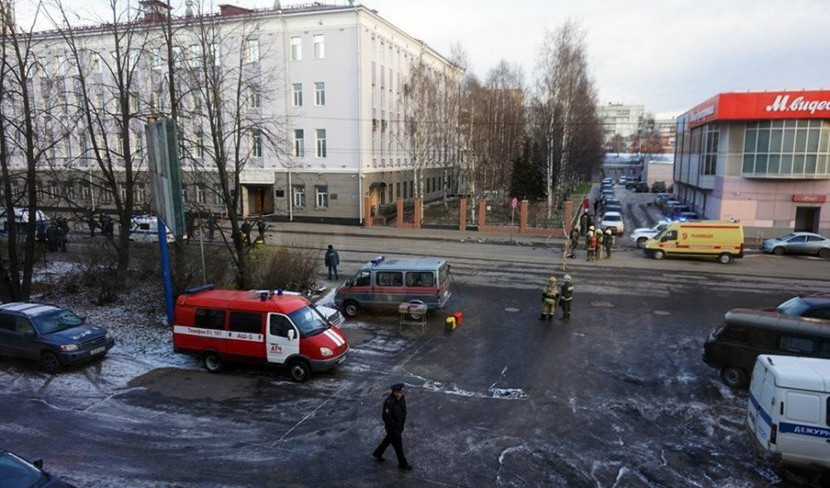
<point x="641" y="187"/>
<point x="631" y="184"/>
<point x="642" y="234"/>
<point x="16" y="472"/>
<point x="658" y="187"/>
<point x="798" y="243"/>
<point x="52" y="335"/>
<point x="687" y="217"/>
<point x="613" y="221"/>
<point x="660" y="198"/>
<point x="813" y="306"/>
<point x="612" y="207"/>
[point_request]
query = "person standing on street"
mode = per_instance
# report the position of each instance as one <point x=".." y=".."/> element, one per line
<point x="331" y="260"/>
<point x="609" y="241"/>
<point x="590" y="244"/>
<point x="566" y="296"/>
<point x="574" y="242"/>
<point x="211" y="226"/>
<point x="394" y="420"/>
<point x="246" y="232"/>
<point x="549" y="295"/>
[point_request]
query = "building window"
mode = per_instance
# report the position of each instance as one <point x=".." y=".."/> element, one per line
<point x="256" y="143"/>
<point x="322" y="196"/>
<point x="195" y="55"/>
<point x="710" y="154"/>
<point x="299" y="195"/>
<point x="86" y="191"/>
<point x="139" y="193"/>
<point x="97" y="64"/>
<point x="319" y="93"/>
<point x="252" y="50"/>
<point x="297" y="94"/>
<point x="319" y="46"/>
<point x="299" y="143"/>
<point x="321" y="142"/>
<point x="296" y="48"/>
<point x="254" y="98"/>
<point x="200" y="144"/>
<point x="200" y="195"/>
<point x="217" y="195"/>
<point x="157" y="62"/>
<point x="789" y="148"/>
<point x="216" y="53"/>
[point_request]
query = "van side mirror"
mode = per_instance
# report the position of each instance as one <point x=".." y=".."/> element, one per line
<point x="290" y="334"/>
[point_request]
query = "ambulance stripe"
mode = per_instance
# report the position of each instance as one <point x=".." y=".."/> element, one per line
<point x="334" y="337"/>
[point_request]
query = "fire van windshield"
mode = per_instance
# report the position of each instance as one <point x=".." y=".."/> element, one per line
<point x="309" y="321"/>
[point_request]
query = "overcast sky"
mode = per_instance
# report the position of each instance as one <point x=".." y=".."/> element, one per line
<point x="667" y="55"/>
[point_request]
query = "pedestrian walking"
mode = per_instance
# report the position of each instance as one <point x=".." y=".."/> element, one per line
<point x="608" y="241"/>
<point x="394" y="421"/>
<point x="331" y="260"/>
<point x="246" y="232"/>
<point x="566" y="296"/>
<point x="211" y="226"/>
<point x="549" y="295"/>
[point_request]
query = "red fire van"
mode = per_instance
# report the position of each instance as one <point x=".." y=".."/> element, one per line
<point x="256" y="326"/>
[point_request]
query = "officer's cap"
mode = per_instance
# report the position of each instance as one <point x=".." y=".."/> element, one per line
<point x="397" y="386"/>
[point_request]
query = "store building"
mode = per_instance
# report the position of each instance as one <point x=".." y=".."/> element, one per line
<point x="760" y="157"/>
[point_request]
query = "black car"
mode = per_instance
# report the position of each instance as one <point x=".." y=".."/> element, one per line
<point x="658" y="187"/>
<point x="52" y="335"/>
<point x="642" y="187"/>
<point x="16" y="472"/>
<point x="812" y="306"/>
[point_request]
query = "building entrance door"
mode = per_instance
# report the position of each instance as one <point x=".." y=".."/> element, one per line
<point x="807" y="219"/>
<point x="260" y="199"/>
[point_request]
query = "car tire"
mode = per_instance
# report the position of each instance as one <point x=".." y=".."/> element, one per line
<point x="725" y="258"/>
<point x="824" y="253"/>
<point x="734" y="376"/>
<point x="298" y="370"/>
<point x="778" y="251"/>
<point x="641" y="242"/>
<point x="213" y="362"/>
<point x="351" y="309"/>
<point x="658" y="254"/>
<point x="49" y="362"/>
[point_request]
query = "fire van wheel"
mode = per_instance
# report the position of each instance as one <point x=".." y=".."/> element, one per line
<point x="658" y="254"/>
<point x="641" y="242"/>
<point x="213" y="363"/>
<point x="299" y="370"/>
<point x="49" y="362"/>
<point x="733" y="376"/>
<point x="351" y="309"/>
<point x="725" y="258"/>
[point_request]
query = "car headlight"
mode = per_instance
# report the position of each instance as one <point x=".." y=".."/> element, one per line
<point x="107" y="335"/>
<point x="69" y="347"/>
<point x="326" y="352"/>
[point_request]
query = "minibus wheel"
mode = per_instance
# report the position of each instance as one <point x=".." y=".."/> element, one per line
<point x="658" y="254"/>
<point x="351" y="308"/>
<point x="299" y="370"/>
<point x="724" y="258"/>
<point x="733" y="376"/>
<point x="213" y="363"/>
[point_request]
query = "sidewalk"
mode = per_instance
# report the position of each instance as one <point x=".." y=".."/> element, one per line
<point x="414" y="234"/>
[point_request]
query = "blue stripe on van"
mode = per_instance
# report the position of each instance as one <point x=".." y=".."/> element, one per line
<point x="765" y="416"/>
<point x="808" y="430"/>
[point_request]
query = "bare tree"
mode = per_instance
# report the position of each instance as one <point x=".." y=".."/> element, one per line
<point x="108" y="94"/>
<point x="564" y="105"/>
<point x="222" y="94"/>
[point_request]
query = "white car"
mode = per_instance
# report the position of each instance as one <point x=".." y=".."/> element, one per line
<point x="613" y="221"/>
<point x="641" y="235"/>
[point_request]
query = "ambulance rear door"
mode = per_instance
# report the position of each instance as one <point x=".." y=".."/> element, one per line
<point x="282" y="339"/>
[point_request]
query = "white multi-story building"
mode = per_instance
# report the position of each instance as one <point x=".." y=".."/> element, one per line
<point x="324" y="90"/>
<point x="619" y="119"/>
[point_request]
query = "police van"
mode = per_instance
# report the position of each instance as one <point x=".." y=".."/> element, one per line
<point x="257" y="326"/>
<point x="386" y="283"/>
<point x="788" y="412"/>
<point x="144" y="228"/>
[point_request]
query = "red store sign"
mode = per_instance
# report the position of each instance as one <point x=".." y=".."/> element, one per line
<point x="804" y="104"/>
<point x="809" y="198"/>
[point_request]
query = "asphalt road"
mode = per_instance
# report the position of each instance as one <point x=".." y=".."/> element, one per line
<point x="616" y="397"/>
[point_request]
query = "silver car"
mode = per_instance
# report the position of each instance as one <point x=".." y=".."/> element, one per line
<point x="642" y="234"/>
<point x="798" y="243"/>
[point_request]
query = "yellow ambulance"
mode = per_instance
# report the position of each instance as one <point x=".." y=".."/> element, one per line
<point x="721" y="239"/>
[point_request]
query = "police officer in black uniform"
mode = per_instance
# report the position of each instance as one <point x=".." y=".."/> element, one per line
<point x="394" y="420"/>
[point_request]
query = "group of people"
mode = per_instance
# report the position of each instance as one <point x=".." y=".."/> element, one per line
<point x="598" y="242"/>
<point x="247" y="227"/>
<point x="562" y="295"/>
<point x="104" y="222"/>
<point x="55" y="236"/>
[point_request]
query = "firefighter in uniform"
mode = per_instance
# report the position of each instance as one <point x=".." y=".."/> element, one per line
<point x="566" y="296"/>
<point x="549" y="295"/>
<point x="574" y="242"/>
<point x="609" y="241"/>
<point x="590" y="244"/>
<point x="600" y="245"/>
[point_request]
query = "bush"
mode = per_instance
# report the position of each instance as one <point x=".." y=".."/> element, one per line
<point x="287" y="267"/>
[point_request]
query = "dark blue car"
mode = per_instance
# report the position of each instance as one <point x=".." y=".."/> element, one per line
<point x="51" y="335"/>
<point x="16" y="472"/>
